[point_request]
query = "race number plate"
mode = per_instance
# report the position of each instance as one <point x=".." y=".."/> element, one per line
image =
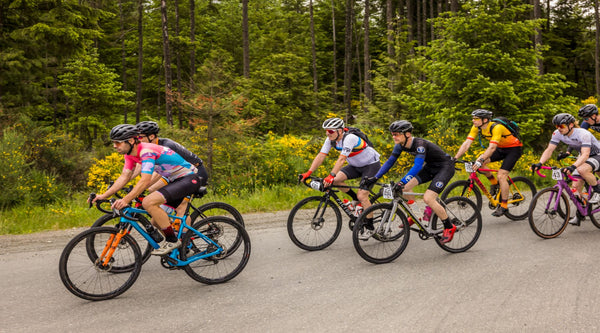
<point x="315" y="185"/>
<point x="469" y="167"/>
<point x="556" y="174"/>
<point x="387" y="192"/>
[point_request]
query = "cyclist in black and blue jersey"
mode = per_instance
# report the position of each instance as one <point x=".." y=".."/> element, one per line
<point x="431" y="164"/>
<point x="589" y="113"/>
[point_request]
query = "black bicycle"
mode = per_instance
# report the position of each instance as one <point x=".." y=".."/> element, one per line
<point x="315" y="222"/>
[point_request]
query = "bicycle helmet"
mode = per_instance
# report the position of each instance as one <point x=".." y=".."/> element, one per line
<point x="123" y="132"/>
<point x="333" y="123"/>
<point x="482" y="113"/>
<point x="147" y="127"/>
<point x="401" y="126"/>
<point x="588" y="110"/>
<point x="563" y="118"/>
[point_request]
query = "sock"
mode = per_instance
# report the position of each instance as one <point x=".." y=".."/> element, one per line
<point x="352" y="194"/>
<point x="170" y="234"/>
<point x="447" y="223"/>
<point x="504" y="203"/>
<point x="369" y="223"/>
<point x="492" y="180"/>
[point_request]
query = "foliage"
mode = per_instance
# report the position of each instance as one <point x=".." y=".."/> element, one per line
<point x="103" y="171"/>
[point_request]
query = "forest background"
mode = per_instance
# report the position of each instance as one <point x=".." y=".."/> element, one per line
<point x="246" y="85"/>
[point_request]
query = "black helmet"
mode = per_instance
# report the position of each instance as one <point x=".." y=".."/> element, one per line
<point x="123" y="132"/>
<point x="147" y="127"/>
<point x="333" y="123"/>
<point x="563" y="118"/>
<point x="482" y="113"/>
<point x="588" y="110"/>
<point x="401" y="126"/>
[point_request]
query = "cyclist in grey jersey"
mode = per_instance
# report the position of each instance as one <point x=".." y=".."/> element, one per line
<point x="588" y="160"/>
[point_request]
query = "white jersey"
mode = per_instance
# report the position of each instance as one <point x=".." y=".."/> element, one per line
<point x="356" y="149"/>
<point x="578" y="138"/>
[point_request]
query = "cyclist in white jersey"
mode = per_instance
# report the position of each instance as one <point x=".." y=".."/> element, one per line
<point x="363" y="160"/>
<point x="588" y="160"/>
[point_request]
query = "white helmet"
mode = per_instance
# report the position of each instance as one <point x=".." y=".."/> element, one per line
<point x="333" y="123"/>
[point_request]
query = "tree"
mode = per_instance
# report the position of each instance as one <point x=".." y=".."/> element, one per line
<point x="167" y="63"/>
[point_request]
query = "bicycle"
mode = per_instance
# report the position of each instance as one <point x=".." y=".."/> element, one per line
<point x="199" y="213"/>
<point x="521" y="192"/>
<point x="315" y="222"/>
<point x="392" y="230"/>
<point x="103" y="262"/>
<point x="550" y="209"/>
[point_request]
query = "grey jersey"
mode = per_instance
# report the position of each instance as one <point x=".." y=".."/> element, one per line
<point x="579" y="138"/>
<point x="351" y="148"/>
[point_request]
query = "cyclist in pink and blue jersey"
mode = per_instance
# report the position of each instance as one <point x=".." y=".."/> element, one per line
<point x="182" y="176"/>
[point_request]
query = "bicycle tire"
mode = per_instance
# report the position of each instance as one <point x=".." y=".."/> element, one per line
<point x="390" y="238"/>
<point x="224" y="266"/>
<point x="218" y="209"/>
<point x="520" y="209"/>
<point x="113" y="220"/>
<point x="467" y="217"/>
<point x="462" y="188"/>
<point x="87" y="279"/>
<point x="373" y="199"/>
<point x="547" y="222"/>
<point x="306" y="231"/>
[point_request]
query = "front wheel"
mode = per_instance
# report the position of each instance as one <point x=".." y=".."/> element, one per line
<point x="314" y="223"/>
<point x="463" y="188"/>
<point x="522" y="191"/>
<point x="226" y="262"/>
<point x="465" y="215"/>
<point x="391" y="232"/>
<point x="549" y="214"/>
<point x="93" y="278"/>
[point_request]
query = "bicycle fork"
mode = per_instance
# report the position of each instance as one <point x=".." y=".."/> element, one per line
<point x="110" y="247"/>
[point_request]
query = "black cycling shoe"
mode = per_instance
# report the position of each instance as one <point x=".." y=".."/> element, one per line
<point x="500" y="211"/>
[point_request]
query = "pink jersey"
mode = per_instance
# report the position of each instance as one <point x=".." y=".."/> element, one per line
<point x="161" y="159"/>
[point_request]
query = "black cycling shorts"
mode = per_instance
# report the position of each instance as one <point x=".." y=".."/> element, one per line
<point x="353" y="172"/>
<point x="180" y="188"/>
<point x="438" y="174"/>
<point x="509" y="157"/>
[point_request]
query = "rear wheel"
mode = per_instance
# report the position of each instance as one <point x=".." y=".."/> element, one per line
<point x="314" y="223"/>
<point x="218" y="209"/>
<point x="549" y="214"/>
<point x="519" y="199"/>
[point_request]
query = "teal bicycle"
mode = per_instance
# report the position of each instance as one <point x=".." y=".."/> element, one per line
<point x="104" y="262"/>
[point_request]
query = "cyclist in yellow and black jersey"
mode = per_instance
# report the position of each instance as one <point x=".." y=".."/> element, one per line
<point x="504" y="146"/>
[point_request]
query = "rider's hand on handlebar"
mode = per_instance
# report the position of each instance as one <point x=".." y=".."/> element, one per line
<point x="562" y="155"/>
<point x="119" y="204"/>
<point x="535" y="167"/>
<point x="368" y="181"/>
<point x="328" y="180"/>
<point x="569" y="170"/>
<point x="305" y="175"/>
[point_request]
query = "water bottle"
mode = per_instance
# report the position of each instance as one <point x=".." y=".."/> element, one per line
<point x="167" y="209"/>
<point x="348" y="204"/>
<point x="358" y="210"/>
<point x="414" y="207"/>
<point x="155" y="234"/>
<point x="427" y="213"/>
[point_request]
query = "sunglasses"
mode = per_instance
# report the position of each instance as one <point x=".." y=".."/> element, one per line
<point x="586" y="118"/>
<point x="142" y="136"/>
<point x="330" y="131"/>
<point x="476" y="118"/>
<point x="563" y="126"/>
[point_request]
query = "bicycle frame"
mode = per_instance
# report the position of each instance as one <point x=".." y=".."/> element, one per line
<point x="474" y="179"/>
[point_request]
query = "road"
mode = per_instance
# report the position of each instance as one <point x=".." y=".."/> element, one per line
<point x="511" y="280"/>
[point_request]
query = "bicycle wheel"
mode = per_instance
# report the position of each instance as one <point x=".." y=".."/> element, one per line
<point x="112" y="220"/>
<point x="465" y="215"/>
<point x="221" y="267"/>
<point x="390" y="238"/>
<point x="218" y="209"/>
<point x="314" y="223"/>
<point x="549" y="215"/>
<point x="521" y="193"/>
<point x="462" y="188"/>
<point x="93" y="280"/>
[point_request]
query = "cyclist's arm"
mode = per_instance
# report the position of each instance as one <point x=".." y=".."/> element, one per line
<point x="463" y="148"/>
<point x="316" y="163"/>
<point x="136" y="172"/>
<point x="488" y="152"/>
<point x="118" y="184"/>
<point x="547" y="153"/>
<point x="144" y="183"/>
<point x="417" y="166"/>
<point x="338" y="164"/>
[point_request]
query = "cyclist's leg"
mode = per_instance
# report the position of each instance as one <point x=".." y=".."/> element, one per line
<point x="363" y="192"/>
<point x="439" y="176"/>
<point x="509" y="157"/>
<point x="586" y="170"/>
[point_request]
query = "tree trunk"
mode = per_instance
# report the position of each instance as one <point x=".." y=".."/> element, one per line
<point x="454" y="7"/>
<point x="138" y="88"/>
<point x="419" y="31"/>
<point x="314" y="59"/>
<point x="334" y="100"/>
<point x="410" y="21"/>
<point x="192" y="49"/>
<point x="246" y="39"/>
<point x="123" y="56"/>
<point x="389" y="19"/>
<point x="178" y="63"/>
<point x="167" y="63"/>
<point x="537" y="14"/>
<point x="367" y="52"/>
<point x="597" y="53"/>
<point x="348" y="57"/>
<point x="431" y="16"/>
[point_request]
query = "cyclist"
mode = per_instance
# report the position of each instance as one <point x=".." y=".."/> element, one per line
<point x="582" y="141"/>
<point x="589" y="113"/>
<point x="149" y="133"/>
<point x="183" y="179"/>
<point x="363" y="160"/>
<point x="503" y="146"/>
<point x="431" y="164"/>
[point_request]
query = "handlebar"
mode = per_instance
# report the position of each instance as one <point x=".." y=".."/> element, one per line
<point x="553" y="168"/>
